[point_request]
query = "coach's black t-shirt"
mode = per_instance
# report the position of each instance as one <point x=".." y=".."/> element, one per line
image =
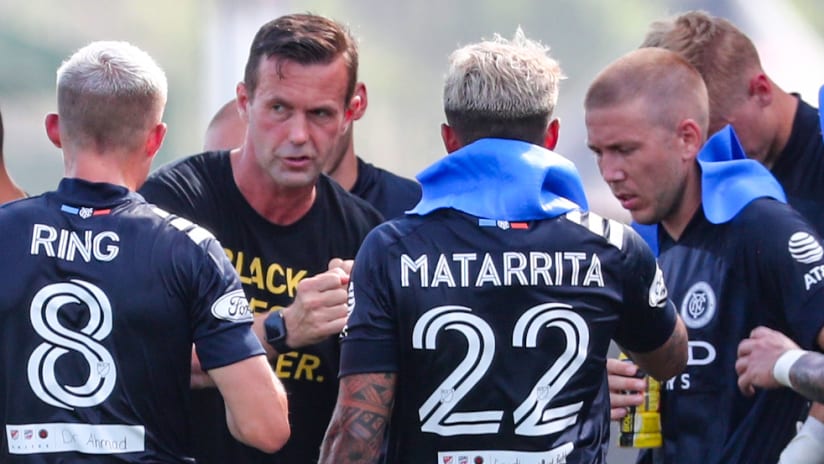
<point x="270" y="260"/>
<point x="102" y="297"/>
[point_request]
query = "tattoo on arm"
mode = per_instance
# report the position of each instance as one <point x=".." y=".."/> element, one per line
<point x="807" y="376"/>
<point x="361" y="416"/>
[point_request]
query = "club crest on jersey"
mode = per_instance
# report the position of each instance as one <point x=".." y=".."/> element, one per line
<point x="698" y="306"/>
<point x="804" y="248"/>
<point x="232" y="307"/>
<point x="84" y="211"/>
<point x="503" y="225"/>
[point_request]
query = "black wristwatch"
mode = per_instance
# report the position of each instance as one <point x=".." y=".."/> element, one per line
<point x="275" y="328"/>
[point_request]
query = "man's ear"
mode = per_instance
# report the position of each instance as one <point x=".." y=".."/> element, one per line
<point x="155" y="139"/>
<point x="53" y="129"/>
<point x="359" y="102"/>
<point x="761" y="89"/>
<point x="689" y="132"/>
<point x="450" y="138"/>
<point x="551" y="136"/>
<point x="242" y="101"/>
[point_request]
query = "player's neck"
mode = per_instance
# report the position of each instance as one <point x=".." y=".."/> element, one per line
<point x="277" y="204"/>
<point x="682" y="213"/>
<point x="785" y="110"/>
<point x="346" y="171"/>
<point x="110" y="168"/>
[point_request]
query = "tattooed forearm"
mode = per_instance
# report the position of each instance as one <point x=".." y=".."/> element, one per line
<point x="807" y="376"/>
<point x="358" y="426"/>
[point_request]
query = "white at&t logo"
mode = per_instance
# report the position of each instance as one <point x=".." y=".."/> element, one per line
<point x="698" y="306"/>
<point x="804" y="248"/>
<point x="44" y="313"/>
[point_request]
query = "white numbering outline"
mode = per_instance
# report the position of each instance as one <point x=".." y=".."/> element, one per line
<point x="531" y="417"/>
<point x="59" y="340"/>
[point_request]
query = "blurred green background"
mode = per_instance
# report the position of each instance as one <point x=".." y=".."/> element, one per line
<point x="202" y="45"/>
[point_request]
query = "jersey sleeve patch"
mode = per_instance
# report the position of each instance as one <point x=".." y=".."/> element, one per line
<point x="232" y="307"/>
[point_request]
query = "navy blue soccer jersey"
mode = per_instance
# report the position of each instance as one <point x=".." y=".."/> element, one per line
<point x="103" y="296"/>
<point x="498" y="332"/>
<point x="800" y="166"/>
<point x="764" y="267"/>
<point x="390" y="194"/>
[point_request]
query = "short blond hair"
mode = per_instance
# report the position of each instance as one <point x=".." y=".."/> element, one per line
<point x="725" y="56"/>
<point x="109" y="94"/>
<point x="501" y="88"/>
<point x="669" y="86"/>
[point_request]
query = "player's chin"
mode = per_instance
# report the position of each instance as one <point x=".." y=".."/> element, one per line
<point x="297" y="179"/>
<point x="643" y="216"/>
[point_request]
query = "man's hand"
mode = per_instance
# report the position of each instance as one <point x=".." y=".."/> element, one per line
<point x="622" y="381"/>
<point x="757" y="356"/>
<point x="319" y="309"/>
<point x="343" y="264"/>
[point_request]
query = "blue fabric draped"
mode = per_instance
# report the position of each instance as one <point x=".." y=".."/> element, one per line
<point x="729" y="182"/>
<point x="504" y="180"/>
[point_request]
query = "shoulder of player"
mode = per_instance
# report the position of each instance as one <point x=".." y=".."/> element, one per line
<point x="393" y="231"/>
<point x="765" y="216"/>
<point x="13" y="212"/>
<point x="177" y="231"/>
<point x="612" y="232"/>
<point x="352" y="206"/>
<point x="391" y="181"/>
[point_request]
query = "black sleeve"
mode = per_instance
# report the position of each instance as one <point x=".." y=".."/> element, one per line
<point x="648" y="317"/>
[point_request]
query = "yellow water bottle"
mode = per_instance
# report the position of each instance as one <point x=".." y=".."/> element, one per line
<point x="641" y="427"/>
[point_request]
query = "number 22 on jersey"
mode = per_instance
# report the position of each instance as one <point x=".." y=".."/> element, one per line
<point x="531" y="417"/>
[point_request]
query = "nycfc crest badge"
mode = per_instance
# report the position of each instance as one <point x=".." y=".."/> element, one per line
<point x="698" y="306"/>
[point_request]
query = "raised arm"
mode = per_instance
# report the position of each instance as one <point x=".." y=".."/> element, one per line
<point x="318" y="311"/>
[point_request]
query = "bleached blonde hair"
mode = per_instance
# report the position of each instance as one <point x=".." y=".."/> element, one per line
<point x="501" y="88"/>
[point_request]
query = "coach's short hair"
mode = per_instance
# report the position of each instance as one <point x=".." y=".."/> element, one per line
<point x="305" y="39"/>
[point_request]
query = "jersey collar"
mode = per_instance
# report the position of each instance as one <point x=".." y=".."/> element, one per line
<point x="502" y="179"/>
<point x="93" y="194"/>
